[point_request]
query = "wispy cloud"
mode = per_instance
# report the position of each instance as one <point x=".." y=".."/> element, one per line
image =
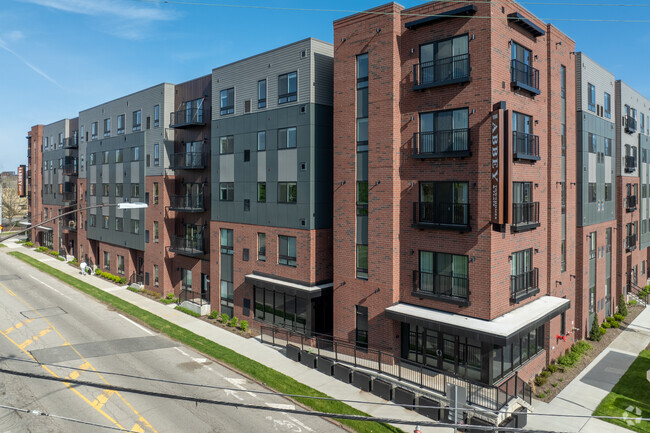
<point x="108" y="8"/>
<point x="4" y="46"/>
<point x="13" y="36"/>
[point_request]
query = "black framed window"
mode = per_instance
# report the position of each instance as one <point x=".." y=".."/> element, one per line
<point x="591" y="97"/>
<point x="261" y="247"/>
<point x="287" y="192"/>
<point x="226" y="144"/>
<point x="444" y="60"/>
<point x="287" y="138"/>
<point x="227" y="101"/>
<point x="362" y="102"/>
<point x="156" y="115"/>
<point x="261" y="192"/>
<point x="120" y="124"/>
<point x="287" y="250"/>
<point x="156" y="154"/>
<point x="608" y="192"/>
<point x="443" y="274"/>
<point x="592" y="193"/>
<point x="261" y="141"/>
<point x="280" y="309"/>
<point x="288" y="87"/>
<point x="361" y="338"/>
<point x="137" y="120"/>
<point x="608" y="105"/>
<point x="261" y="94"/>
<point x="444" y="131"/>
<point x="226" y="191"/>
<point x="107" y="127"/>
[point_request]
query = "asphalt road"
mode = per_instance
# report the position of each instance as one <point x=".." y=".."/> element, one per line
<point x="47" y="328"/>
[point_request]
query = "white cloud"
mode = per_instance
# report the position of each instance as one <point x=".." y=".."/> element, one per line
<point x="13" y="36"/>
<point x="3" y="45"/>
<point x="108" y="8"/>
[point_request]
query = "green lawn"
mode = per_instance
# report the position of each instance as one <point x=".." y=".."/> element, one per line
<point x="632" y="391"/>
<point x="262" y="373"/>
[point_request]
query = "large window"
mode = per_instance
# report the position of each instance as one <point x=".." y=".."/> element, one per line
<point x="444" y="203"/>
<point x="137" y="120"/>
<point x="106" y="222"/>
<point x="119" y="155"/>
<point x="288" y="87"/>
<point x="445" y="60"/>
<point x="592" y="142"/>
<point x="287" y="192"/>
<point x="186" y="279"/>
<point x="443" y="274"/>
<point x="261" y="192"/>
<point x="362" y="101"/>
<point x="227" y="101"/>
<point x="119" y="189"/>
<point x="226" y="144"/>
<point x="261" y="141"/>
<point x="226" y="191"/>
<point x="156" y="155"/>
<point x="107" y="261"/>
<point x="261" y="94"/>
<point x="119" y="224"/>
<point x="261" y="247"/>
<point x="93" y="130"/>
<point x="120" y="265"/>
<point x="287" y="138"/>
<point x="444" y="131"/>
<point x="156" y="115"/>
<point x="281" y="309"/>
<point x="120" y="124"/>
<point x="287" y="250"/>
<point x="592" y="192"/>
<point x="507" y="358"/>
<point x="156" y="280"/>
<point x="608" y="105"/>
<point x="591" y="97"/>
<point x="523" y="277"/>
<point x="227" y="249"/>
<point x="107" y="127"/>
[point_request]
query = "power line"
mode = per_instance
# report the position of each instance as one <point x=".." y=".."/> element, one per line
<point x="600" y="20"/>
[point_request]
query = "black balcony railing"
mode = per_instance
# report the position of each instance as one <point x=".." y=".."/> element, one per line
<point x="525" y="215"/>
<point x="630" y="203"/>
<point x="429" y="283"/>
<point x="187" y="161"/>
<point x="442" y="71"/>
<point x="189" y="246"/>
<point x="630" y="243"/>
<point x="524" y="77"/>
<point x="198" y="298"/>
<point x="453" y="216"/>
<point x="69" y="197"/>
<point x="630" y="124"/>
<point x="630" y="164"/>
<point x="70" y="169"/>
<point x="525" y="146"/>
<point x="524" y="285"/>
<point x="187" y="203"/>
<point x="70" y="143"/>
<point x="186" y="118"/>
<point x="70" y="225"/>
<point x="440" y="144"/>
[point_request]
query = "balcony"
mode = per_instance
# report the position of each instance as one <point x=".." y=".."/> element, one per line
<point x="441" y="72"/>
<point x="524" y="285"/>
<point x="630" y="243"/>
<point x="524" y="77"/>
<point x="187" y="118"/>
<point x="69" y="198"/>
<point x="70" y="143"/>
<point x="442" y="287"/>
<point x="441" y="144"/>
<point x="630" y="124"/>
<point x="525" y="216"/>
<point x="630" y="164"/>
<point x="445" y="216"/>
<point x="187" y="246"/>
<point x="69" y="225"/>
<point x="69" y="169"/>
<point x="187" y="203"/>
<point x="187" y="161"/>
<point x="630" y="203"/>
<point x="525" y="146"/>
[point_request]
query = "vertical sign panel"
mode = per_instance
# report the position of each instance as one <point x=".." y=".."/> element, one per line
<point x="21" y="181"/>
<point x="496" y="165"/>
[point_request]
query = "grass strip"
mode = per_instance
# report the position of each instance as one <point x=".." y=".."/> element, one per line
<point x="262" y="373"/>
<point x="186" y="311"/>
<point x="630" y="397"/>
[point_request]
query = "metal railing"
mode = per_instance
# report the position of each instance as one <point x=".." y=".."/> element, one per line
<point x="70" y="225"/>
<point x="630" y="164"/>
<point x="69" y="169"/>
<point x="524" y="283"/>
<point x="440" y="213"/>
<point x="630" y="243"/>
<point x="187" y="117"/>
<point x="69" y="196"/>
<point x="524" y="214"/>
<point x="630" y="203"/>
<point x="441" y="285"/>
<point x="136" y="278"/>
<point x="198" y="298"/>
<point x="630" y="124"/>
<point x="525" y="145"/>
<point x="187" y="246"/>
<point x="524" y="74"/>
<point x="492" y="397"/>
<point x="438" y="72"/>
<point x="440" y="142"/>
<point x="638" y="292"/>
<point x="187" y="160"/>
<point x="187" y="203"/>
<point x="70" y="143"/>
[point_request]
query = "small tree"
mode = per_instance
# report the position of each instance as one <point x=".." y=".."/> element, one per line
<point x="622" y="306"/>
<point x="595" y="334"/>
<point x="12" y="206"/>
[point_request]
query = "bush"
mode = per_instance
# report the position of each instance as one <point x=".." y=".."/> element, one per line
<point x="545" y="373"/>
<point x="615" y="324"/>
<point x="224" y="318"/>
<point x="233" y="322"/>
<point x="41" y="249"/>
<point x="622" y="308"/>
<point x="563" y="361"/>
<point x="243" y="325"/>
<point x="169" y="299"/>
<point x="632" y="303"/>
<point x="540" y="380"/>
<point x="606" y="325"/>
<point x="618" y="317"/>
<point x="610" y="319"/>
<point x="29" y="244"/>
<point x="554" y="385"/>
<point x="582" y="346"/>
<point x="552" y="367"/>
<point x="594" y="335"/>
<point x="541" y="395"/>
<point x="603" y="331"/>
<point x="133" y="289"/>
<point x="186" y="311"/>
<point x="214" y="315"/>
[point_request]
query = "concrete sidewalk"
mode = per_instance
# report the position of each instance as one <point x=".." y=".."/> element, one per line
<point x="251" y="348"/>
<point x="583" y="395"/>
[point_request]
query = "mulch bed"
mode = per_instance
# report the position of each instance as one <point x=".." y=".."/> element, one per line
<point x="562" y="378"/>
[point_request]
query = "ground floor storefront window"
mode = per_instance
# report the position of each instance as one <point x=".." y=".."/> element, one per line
<point x="281" y="309"/>
<point x="505" y="359"/>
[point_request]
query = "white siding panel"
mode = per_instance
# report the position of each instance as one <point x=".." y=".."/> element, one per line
<point x="261" y="166"/>
<point x="227" y="168"/>
<point x="288" y="165"/>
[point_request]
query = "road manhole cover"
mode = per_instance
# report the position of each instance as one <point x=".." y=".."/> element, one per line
<point x="43" y="312"/>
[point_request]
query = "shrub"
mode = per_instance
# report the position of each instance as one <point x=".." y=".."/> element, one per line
<point x="610" y="319"/>
<point x="618" y="317"/>
<point x="29" y="244"/>
<point x="563" y="361"/>
<point x="552" y="367"/>
<point x="545" y="373"/>
<point x="622" y="308"/>
<point x="541" y="395"/>
<point x="186" y="311"/>
<point x="169" y="299"/>
<point x="233" y="322"/>
<point x="603" y="331"/>
<point x="98" y="272"/>
<point x="243" y="325"/>
<point x="554" y="385"/>
<point x="582" y="346"/>
<point x="133" y="289"/>
<point x="214" y="315"/>
<point x="606" y="325"/>
<point x="224" y="318"/>
<point x="41" y="249"/>
<point x="561" y="379"/>
<point x="540" y="380"/>
<point x="594" y="335"/>
<point x="615" y="324"/>
<point x="631" y="303"/>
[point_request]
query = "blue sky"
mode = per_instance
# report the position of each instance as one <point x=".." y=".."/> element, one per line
<point x="58" y="57"/>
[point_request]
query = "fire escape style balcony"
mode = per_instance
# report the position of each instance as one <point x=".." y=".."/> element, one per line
<point x="69" y="225"/>
<point x="441" y="72"/>
<point x="187" y="203"/>
<point x="630" y="203"/>
<point x="630" y="124"/>
<point x="525" y="216"/>
<point x="444" y="287"/>
<point x="525" y="146"/>
<point x="446" y="216"/>
<point x="630" y="243"/>
<point x="441" y="144"/>
<point x="524" y="77"/>
<point x="70" y="169"/>
<point x="524" y="285"/>
<point x="630" y="164"/>
<point x="187" y="118"/>
<point x="187" y="161"/>
<point x="69" y="198"/>
<point x="70" y="143"/>
<point x="187" y="246"/>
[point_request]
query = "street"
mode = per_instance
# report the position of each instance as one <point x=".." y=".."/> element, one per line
<point x="47" y="328"/>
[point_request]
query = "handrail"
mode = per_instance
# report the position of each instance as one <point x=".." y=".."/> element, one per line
<point x="198" y="298"/>
<point x="644" y="297"/>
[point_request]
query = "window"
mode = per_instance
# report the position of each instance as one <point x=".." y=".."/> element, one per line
<point x="106" y="189"/>
<point x="641" y="123"/>
<point x="444" y="131"/>
<point x="523" y="276"/>
<point x="119" y="155"/>
<point x="155" y="193"/>
<point x="118" y="189"/>
<point x="135" y="227"/>
<point x="521" y="66"/>
<point x="287" y="138"/>
<point x="93" y="130"/>
<point x="591" y="97"/>
<point x="156" y="115"/>
<point x="226" y="241"/>
<point x="120" y="124"/>
<point x="261" y="247"/>
<point x="135" y="190"/>
<point x="156" y="154"/>
<point x="591" y="141"/>
<point x="592" y="192"/>
<point x="362" y="102"/>
<point x="92" y="189"/>
<point x="226" y="191"/>
<point x="92" y="220"/>
<point x="443" y="274"/>
<point x="261" y="192"/>
<point x="228" y="101"/>
<point x="120" y="265"/>
<point x="288" y="87"/>
<point x="107" y="127"/>
<point x="105" y="159"/>
<point x="592" y="245"/>
<point x="227" y="144"/>
<point x="261" y="94"/>
<point x="106" y="222"/>
<point x="156" y="281"/>
<point x="119" y="224"/>
<point x="444" y="60"/>
<point x="107" y="260"/>
<point x="280" y="309"/>
<point x="361" y="327"/>
<point x="287" y="192"/>
<point x="608" y="105"/>
<point x="261" y="141"/>
<point x="608" y="146"/>
<point x="608" y="192"/>
<point x="137" y="120"/>
<point x="91" y="159"/>
<point x="444" y="203"/>
<point x="287" y="250"/>
<point x="155" y="232"/>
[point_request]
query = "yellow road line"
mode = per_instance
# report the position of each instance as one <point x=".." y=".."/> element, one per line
<point x="18" y="326"/>
<point x="34" y="338"/>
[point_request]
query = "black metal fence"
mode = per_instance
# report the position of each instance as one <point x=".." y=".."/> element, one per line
<point x="522" y="73"/>
<point x="441" y="213"/>
<point x="522" y="284"/>
<point x="438" y="72"/>
<point x="525" y="145"/>
<point x="440" y="142"/>
<point x="441" y="285"/>
<point x="525" y="213"/>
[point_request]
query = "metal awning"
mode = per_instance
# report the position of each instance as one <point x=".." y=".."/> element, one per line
<point x="454" y="13"/>
<point x="44" y="228"/>
<point x="25" y="224"/>
<point x="289" y="287"/>
<point x="526" y="24"/>
<point x="502" y="330"/>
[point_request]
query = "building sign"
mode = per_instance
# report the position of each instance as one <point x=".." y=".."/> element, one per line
<point x="21" y="181"/>
<point x="496" y="165"/>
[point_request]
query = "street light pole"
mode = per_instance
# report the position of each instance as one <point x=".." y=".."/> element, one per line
<point x="124" y="205"/>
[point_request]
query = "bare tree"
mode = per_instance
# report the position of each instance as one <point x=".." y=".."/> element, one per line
<point x="12" y="206"/>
